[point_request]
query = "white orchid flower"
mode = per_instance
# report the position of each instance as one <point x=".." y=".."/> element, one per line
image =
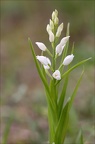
<point x="57" y="75"/>
<point x="59" y="30"/>
<point x="61" y="45"/>
<point x="59" y="49"/>
<point x="68" y="59"/>
<point x="51" y="36"/>
<point x="41" y="46"/>
<point x="44" y="60"/>
<point x="64" y="40"/>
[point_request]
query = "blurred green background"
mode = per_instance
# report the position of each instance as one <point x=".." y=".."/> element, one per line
<point x="21" y="88"/>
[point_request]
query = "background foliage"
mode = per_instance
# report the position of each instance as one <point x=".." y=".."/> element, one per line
<point x="21" y="89"/>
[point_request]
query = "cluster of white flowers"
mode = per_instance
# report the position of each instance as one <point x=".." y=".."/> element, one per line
<point x="58" y="49"/>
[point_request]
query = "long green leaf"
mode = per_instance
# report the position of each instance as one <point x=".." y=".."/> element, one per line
<point x="38" y="66"/>
<point x="75" y="90"/>
<point x="49" y="100"/>
<point x="54" y="99"/>
<point x="72" y="68"/>
<point x="62" y="125"/>
<point x="62" y="96"/>
<point x="51" y="126"/>
<point x="51" y="118"/>
<point x="63" y="93"/>
<point x="63" y="122"/>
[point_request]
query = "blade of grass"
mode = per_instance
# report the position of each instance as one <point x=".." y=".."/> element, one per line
<point x="7" y="129"/>
<point x="79" y="139"/>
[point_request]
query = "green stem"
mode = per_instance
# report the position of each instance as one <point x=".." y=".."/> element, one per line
<point x="49" y="52"/>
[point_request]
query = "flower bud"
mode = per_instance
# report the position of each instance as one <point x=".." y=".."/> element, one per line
<point x="57" y="75"/>
<point x="53" y="15"/>
<point x="59" y="30"/>
<point x="41" y="46"/>
<point x="48" y="28"/>
<point x="68" y="59"/>
<point x="56" y="20"/>
<point x="64" y="40"/>
<point x="51" y="36"/>
<point x="51" y="24"/>
<point x="44" y="60"/>
<point x="56" y="12"/>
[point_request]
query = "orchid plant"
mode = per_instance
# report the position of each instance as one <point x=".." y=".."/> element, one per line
<point x="58" y="104"/>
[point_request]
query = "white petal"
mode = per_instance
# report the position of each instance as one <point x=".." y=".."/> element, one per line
<point x="64" y="40"/>
<point x="46" y="67"/>
<point x="56" y="20"/>
<point x="53" y="15"/>
<point x="57" y="75"/>
<point x="51" y="24"/>
<point x="68" y="59"/>
<point x="44" y="60"/>
<point x="48" y="28"/>
<point x="59" y="30"/>
<point x="51" y="36"/>
<point x="41" y="46"/>
<point x="49" y="62"/>
<point x="59" y="49"/>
